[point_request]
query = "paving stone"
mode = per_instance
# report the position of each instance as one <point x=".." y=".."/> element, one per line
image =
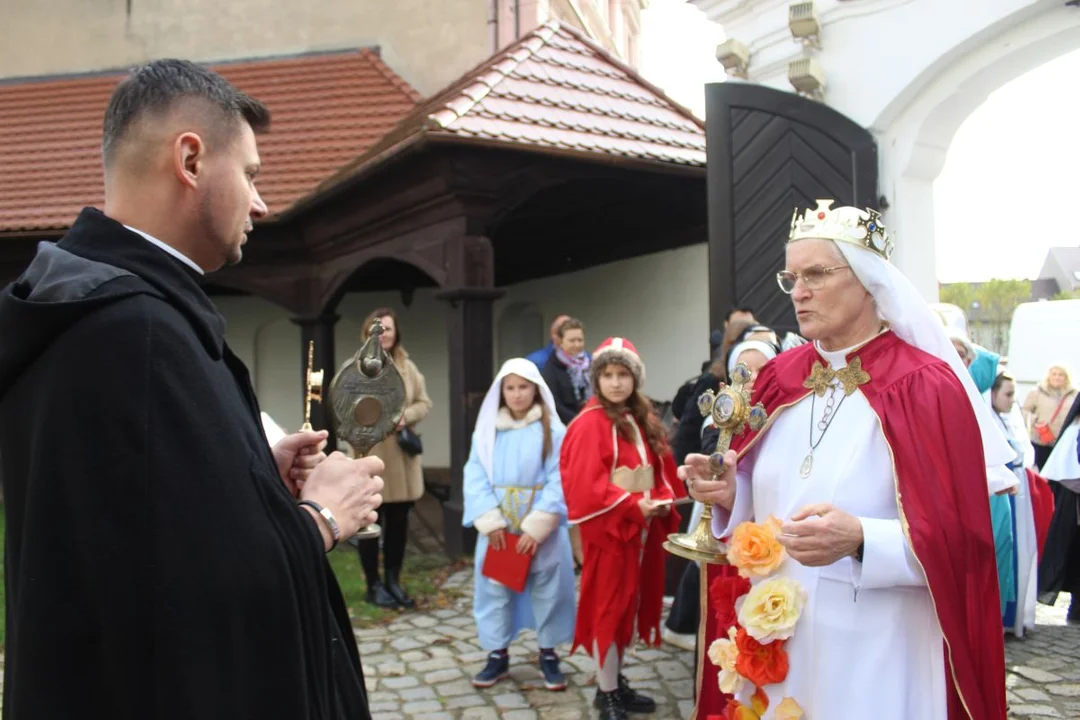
<point x="382" y="696"/>
<point x="398" y="683"/>
<point x="562" y="713"/>
<point x="434" y="716"/>
<point x="439" y="663"/>
<point x="1032" y="694"/>
<point x="439" y="676"/>
<point x="1065" y="689"/>
<point x="455" y="688"/>
<point x="465" y="701"/>
<point x="387" y="716"/>
<point x="369" y="648"/>
<point x="405" y="643"/>
<point x="520" y="715"/>
<point x="1034" y="711"/>
<point x="411" y="709"/>
<point x="510" y="701"/>
<point x="422" y="621"/>
<point x="414" y="656"/>
<point x="418" y="693"/>
<point x="384" y="707"/>
<point x="444" y="614"/>
<point x="478" y="713"/>
<point x="1036" y="675"/>
<point x="391" y="669"/>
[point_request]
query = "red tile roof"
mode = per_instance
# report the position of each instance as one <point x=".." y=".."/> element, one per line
<point x="554" y="89"/>
<point x="327" y="109"/>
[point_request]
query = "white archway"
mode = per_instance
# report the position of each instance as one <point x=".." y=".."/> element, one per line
<point x="915" y="130"/>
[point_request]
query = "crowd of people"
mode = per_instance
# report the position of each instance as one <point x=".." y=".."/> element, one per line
<point x="865" y="574"/>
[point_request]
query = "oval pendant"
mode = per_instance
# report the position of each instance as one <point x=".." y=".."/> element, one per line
<point x="807" y="466"/>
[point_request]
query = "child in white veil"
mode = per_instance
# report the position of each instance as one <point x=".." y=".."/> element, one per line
<point x="512" y="487"/>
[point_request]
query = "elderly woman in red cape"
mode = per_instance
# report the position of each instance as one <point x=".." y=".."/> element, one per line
<point x="863" y="581"/>
<point x="619" y="481"/>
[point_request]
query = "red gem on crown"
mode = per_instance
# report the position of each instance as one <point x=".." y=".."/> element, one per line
<point x="821" y="216"/>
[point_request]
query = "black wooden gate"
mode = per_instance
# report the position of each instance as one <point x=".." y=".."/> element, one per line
<point x="768" y="152"/>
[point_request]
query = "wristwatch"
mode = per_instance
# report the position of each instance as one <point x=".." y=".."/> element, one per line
<point x="859" y="551"/>
<point x="331" y="521"/>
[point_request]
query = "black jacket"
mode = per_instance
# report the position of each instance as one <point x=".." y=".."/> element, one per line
<point x="568" y="402"/>
<point x="156" y="566"/>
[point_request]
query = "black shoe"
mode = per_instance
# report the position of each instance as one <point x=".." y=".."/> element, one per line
<point x="610" y="706"/>
<point x="1074" y="611"/>
<point x="633" y="701"/>
<point x="377" y="594"/>
<point x="398" y="593"/>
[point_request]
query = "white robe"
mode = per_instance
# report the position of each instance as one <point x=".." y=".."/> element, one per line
<point x="868" y="644"/>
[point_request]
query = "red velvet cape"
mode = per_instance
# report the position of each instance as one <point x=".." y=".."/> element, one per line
<point x="611" y="526"/>
<point x="942" y="493"/>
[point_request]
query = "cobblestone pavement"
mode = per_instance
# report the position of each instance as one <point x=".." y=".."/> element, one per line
<point x="419" y="667"/>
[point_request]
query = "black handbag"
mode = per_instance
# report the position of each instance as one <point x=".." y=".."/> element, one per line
<point x="410" y="442"/>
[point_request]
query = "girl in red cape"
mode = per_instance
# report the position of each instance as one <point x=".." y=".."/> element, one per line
<point x="619" y="480"/>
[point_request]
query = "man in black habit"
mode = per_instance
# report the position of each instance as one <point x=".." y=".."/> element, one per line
<point x="158" y="563"/>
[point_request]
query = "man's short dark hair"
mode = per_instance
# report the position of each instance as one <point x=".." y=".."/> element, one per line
<point x="154" y="87"/>
<point x="738" y="309"/>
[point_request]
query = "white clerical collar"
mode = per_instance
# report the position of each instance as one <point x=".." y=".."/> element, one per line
<point x="169" y="249"/>
<point x="838" y="358"/>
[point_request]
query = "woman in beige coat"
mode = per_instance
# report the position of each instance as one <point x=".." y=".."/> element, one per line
<point x="403" y="476"/>
<point x="1045" y="409"/>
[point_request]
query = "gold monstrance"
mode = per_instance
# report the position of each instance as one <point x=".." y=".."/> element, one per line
<point x="313" y="386"/>
<point x="314" y="393"/>
<point x="731" y="412"/>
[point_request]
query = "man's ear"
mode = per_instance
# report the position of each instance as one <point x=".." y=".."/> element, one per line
<point x="189" y="152"/>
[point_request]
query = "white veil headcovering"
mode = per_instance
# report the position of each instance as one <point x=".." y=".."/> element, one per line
<point x="484" y="432"/>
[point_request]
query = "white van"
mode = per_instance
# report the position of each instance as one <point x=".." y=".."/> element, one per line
<point x="1043" y="334"/>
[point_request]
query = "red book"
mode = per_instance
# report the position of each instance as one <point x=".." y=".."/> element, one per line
<point x="507" y="566"/>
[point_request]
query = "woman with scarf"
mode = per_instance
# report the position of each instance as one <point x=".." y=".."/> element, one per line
<point x="567" y="371"/>
<point x="512" y="485"/>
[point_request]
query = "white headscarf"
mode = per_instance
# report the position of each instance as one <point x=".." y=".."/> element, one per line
<point x="909" y="316"/>
<point x="769" y="351"/>
<point x="484" y="433"/>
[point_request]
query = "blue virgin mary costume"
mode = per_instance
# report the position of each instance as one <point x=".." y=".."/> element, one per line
<point x="510" y="485"/>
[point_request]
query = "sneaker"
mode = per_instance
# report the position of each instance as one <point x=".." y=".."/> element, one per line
<point x="497" y="668"/>
<point x="553" y="677"/>
<point x="687" y="641"/>
<point x="610" y="707"/>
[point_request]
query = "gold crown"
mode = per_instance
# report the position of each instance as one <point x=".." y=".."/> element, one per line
<point x="843" y="224"/>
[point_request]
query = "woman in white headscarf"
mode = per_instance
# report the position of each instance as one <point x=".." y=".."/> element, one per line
<point x="876" y="459"/>
<point x="513" y="489"/>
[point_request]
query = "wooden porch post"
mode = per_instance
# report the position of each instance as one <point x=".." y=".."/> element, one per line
<point x="471" y="357"/>
<point x="321" y="330"/>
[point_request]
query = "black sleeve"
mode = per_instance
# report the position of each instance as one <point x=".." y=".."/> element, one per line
<point x="567" y="409"/>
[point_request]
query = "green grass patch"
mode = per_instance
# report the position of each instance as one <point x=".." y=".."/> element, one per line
<point x="422" y="576"/>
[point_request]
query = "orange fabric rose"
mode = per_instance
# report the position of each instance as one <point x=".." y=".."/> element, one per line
<point x="788" y="709"/>
<point x="759" y="703"/>
<point x="754" y="548"/>
<point x="760" y="664"/>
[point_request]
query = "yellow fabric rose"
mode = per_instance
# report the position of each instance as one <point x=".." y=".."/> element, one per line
<point x="723" y="653"/>
<point x="770" y="610"/>
<point x="754" y="548"/>
<point x="788" y="709"/>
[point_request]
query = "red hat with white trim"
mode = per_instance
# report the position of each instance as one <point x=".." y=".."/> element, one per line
<point x="618" y="350"/>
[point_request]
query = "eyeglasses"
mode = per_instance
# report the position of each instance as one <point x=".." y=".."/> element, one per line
<point x="813" y="277"/>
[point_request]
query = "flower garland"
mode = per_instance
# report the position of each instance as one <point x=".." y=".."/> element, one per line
<point x="755" y="621"/>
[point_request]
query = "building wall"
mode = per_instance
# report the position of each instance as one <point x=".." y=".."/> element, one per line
<point x="429" y="43"/>
<point x="911" y="71"/>
<point x="659" y="302"/>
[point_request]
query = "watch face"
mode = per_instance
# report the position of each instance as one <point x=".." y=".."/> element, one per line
<point x="725" y="407"/>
